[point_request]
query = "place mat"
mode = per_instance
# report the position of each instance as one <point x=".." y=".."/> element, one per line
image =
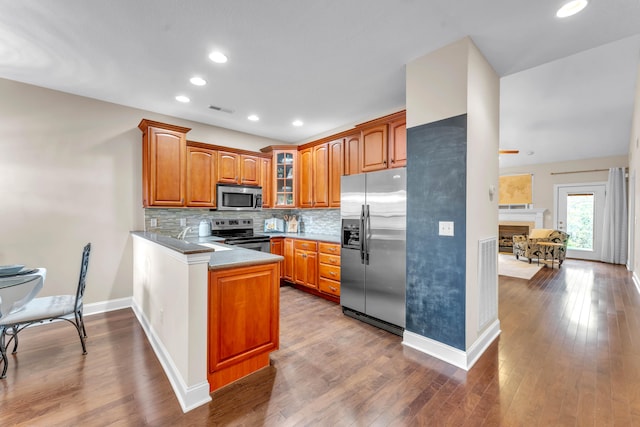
<point x="21" y="272"/>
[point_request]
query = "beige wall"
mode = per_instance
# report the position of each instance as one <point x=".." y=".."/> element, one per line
<point x="446" y="94"/>
<point x="483" y="121"/>
<point x="70" y="173"/>
<point x="544" y="182"/>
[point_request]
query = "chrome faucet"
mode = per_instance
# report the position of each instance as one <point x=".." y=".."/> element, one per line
<point x="183" y="234"/>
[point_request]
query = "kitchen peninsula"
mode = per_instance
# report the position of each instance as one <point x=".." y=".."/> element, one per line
<point x="210" y="311"/>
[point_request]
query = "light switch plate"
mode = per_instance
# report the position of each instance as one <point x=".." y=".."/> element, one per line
<point x="445" y="228"/>
<point x="183" y="222"/>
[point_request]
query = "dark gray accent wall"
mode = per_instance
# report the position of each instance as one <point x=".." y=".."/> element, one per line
<point x="436" y="191"/>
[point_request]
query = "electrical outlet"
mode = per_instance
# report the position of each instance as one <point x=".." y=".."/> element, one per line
<point x="445" y="228"/>
<point x="183" y="222"/>
<point x="153" y="222"/>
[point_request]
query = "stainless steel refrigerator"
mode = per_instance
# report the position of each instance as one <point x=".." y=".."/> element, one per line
<point x="373" y="210"/>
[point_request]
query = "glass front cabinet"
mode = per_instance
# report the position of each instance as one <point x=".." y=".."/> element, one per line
<point x="284" y="174"/>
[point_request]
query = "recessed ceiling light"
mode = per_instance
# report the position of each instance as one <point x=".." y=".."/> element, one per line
<point x="297" y="123"/>
<point x="571" y="8"/>
<point x="253" y="118"/>
<point x="182" y="98"/>
<point x="198" y="81"/>
<point x="218" y="57"/>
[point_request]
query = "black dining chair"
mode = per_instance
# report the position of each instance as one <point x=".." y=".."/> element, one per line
<point x="39" y="310"/>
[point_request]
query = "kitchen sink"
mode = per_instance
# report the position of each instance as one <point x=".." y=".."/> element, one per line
<point x="217" y="248"/>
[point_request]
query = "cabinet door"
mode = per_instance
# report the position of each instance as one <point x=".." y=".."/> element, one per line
<point x="336" y="170"/>
<point x="321" y="176"/>
<point x="312" y="270"/>
<point x="228" y="165"/>
<point x="277" y="248"/>
<point x="167" y="165"/>
<point x="352" y="154"/>
<point x="305" y="269"/>
<point x="201" y="177"/>
<point x="285" y="178"/>
<point x="266" y="181"/>
<point x="373" y="149"/>
<point x="305" y="195"/>
<point x="398" y="143"/>
<point x="288" y="259"/>
<point x="249" y="170"/>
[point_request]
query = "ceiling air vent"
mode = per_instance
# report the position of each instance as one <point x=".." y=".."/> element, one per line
<point x="224" y="110"/>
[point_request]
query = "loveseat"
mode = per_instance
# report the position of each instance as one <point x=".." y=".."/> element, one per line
<point x="527" y="246"/>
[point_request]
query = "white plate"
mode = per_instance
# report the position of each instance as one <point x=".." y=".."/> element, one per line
<point x="8" y="270"/>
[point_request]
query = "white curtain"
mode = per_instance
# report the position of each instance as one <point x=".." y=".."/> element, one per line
<point x="614" y="237"/>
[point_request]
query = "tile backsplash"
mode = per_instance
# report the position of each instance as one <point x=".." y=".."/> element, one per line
<point x="167" y="221"/>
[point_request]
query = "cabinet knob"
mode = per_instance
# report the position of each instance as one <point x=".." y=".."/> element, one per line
<point x="333" y="288"/>
<point x="384" y="162"/>
<point x="333" y="273"/>
<point x="393" y="161"/>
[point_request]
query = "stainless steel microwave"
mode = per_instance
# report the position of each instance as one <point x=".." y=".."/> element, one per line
<point x="239" y="197"/>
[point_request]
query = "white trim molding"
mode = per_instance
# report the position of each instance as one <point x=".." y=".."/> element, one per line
<point x="636" y="281"/>
<point x="535" y="216"/>
<point x="461" y="359"/>
<point x="105" y="306"/>
<point x="188" y="397"/>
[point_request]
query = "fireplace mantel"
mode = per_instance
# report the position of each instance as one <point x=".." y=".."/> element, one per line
<point x="535" y="216"/>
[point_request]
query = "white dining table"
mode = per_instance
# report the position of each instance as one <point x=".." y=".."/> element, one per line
<point x="16" y="291"/>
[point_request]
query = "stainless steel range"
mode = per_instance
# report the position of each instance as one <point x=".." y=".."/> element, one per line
<point x="239" y="232"/>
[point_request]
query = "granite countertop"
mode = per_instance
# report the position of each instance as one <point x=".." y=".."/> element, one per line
<point x="234" y="257"/>
<point x="330" y="238"/>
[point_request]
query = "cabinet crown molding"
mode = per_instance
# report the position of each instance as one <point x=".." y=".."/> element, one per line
<point x="146" y="123"/>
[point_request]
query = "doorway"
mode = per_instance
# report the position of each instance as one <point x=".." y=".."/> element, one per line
<point x="580" y="212"/>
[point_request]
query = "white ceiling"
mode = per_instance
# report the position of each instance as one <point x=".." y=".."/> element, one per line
<point x="567" y="84"/>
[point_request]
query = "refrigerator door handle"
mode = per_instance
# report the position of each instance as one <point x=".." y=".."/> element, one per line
<point x="367" y="236"/>
<point x="362" y="242"/>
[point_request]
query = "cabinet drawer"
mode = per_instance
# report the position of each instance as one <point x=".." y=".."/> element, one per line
<point x="329" y="259"/>
<point x="329" y="248"/>
<point x="329" y="272"/>
<point x="329" y="286"/>
<point x="305" y="245"/>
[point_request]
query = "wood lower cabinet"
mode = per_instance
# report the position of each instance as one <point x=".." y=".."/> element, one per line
<point x="243" y="325"/>
<point x="305" y="268"/>
<point x="163" y="164"/>
<point x="289" y="261"/>
<point x="201" y="177"/>
<point x="277" y="248"/>
<point x="329" y="268"/>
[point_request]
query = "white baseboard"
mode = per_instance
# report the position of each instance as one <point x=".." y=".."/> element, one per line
<point x="636" y="281"/>
<point x="105" y="306"/>
<point x="461" y="359"/>
<point x="188" y="397"/>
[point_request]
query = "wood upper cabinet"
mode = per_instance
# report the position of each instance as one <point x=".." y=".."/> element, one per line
<point x="201" y="177"/>
<point x="305" y="168"/>
<point x="305" y="270"/>
<point x="398" y="143"/>
<point x="228" y="167"/>
<point x="244" y="326"/>
<point x="235" y="168"/>
<point x="249" y="170"/>
<point x="336" y="170"/>
<point x="285" y="170"/>
<point x="373" y="148"/>
<point x="288" y="259"/>
<point x="321" y="176"/>
<point x="352" y="154"/>
<point x="163" y="164"/>
<point x="314" y="176"/>
<point x="266" y="182"/>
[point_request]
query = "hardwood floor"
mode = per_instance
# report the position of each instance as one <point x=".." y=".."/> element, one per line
<point x="569" y="354"/>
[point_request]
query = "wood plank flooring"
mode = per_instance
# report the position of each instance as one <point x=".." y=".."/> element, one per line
<point x="569" y="355"/>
